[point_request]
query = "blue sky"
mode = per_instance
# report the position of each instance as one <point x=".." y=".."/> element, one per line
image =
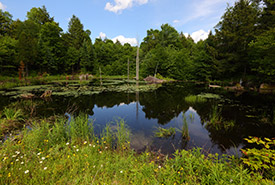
<point x="127" y="20"/>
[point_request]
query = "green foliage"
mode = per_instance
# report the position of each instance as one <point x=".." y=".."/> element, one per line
<point x="12" y="114"/>
<point x="263" y="159"/>
<point x="165" y="133"/>
<point x="263" y="54"/>
<point x="46" y="155"/>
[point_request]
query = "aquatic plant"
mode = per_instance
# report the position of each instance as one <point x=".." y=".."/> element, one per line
<point x="165" y="133"/>
<point x="217" y="122"/>
<point x="209" y="96"/>
<point x="185" y="130"/>
<point x="194" y="99"/>
<point x="122" y="134"/>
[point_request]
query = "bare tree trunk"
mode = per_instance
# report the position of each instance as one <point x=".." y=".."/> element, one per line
<point x="100" y="75"/>
<point x="128" y="70"/>
<point x="137" y="63"/>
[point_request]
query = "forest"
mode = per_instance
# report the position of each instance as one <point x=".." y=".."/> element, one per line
<point x="241" y="46"/>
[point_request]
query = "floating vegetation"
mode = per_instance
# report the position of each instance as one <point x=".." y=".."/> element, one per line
<point x="209" y="96"/>
<point x="184" y="130"/>
<point x="165" y="133"/>
<point x="77" y="88"/>
<point x="194" y="99"/>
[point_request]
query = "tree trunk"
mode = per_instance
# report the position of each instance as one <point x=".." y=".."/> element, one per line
<point x="137" y="63"/>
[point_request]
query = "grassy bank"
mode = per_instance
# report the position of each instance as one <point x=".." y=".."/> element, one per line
<point x="70" y="153"/>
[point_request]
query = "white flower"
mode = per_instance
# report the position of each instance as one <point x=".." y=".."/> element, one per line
<point x="159" y="167"/>
<point x="101" y="166"/>
<point x="121" y="171"/>
<point x="106" y="147"/>
<point x="17" y="160"/>
<point x="43" y="158"/>
<point x="27" y="171"/>
<point x="45" y="168"/>
<point x="93" y="145"/>
<point x="74" y="146"/>
<point x="93" y="166"/>
<point x="67" y="143"/>
<point x="100" y="152"/>
<point x="21" y="157"/>
<point x="14" y="156"/>
<point x="38" y="153"/>
<point x="77" y="150"/>
<point x="85" y="142"/>
<point x="90" y="144"/>
<point x="22" y="162"/>
<point x="19" y="168"/>
<point x="17" y="152"/>
<point x="40" y="162"/>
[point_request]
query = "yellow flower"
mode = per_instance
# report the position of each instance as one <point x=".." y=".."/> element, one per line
<point x="9" y="174"/>
<point x="11" y="162"/>
<point x="68" y="156"/>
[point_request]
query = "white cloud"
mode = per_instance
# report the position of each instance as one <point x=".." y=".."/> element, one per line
<point x="2" y="6"/>
<point x="123" y="4"/>
<point x="198" y="35"/>
<point x="123" y="40"/>
<point x="102" y="35"/>
<point x="176" y="21"/>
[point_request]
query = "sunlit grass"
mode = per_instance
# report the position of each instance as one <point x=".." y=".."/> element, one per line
<point x="70" y="153"/>
<point x="194" y="99"/>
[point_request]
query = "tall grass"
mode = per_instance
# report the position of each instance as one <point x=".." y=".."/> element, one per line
<point x="60" y="154"/>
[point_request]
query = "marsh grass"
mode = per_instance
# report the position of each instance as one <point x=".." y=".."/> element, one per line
<point x="217" y="122"/>
<point x="165" y="133"/>
<point x="194" y="99"/>
<point x="60" y="154"/>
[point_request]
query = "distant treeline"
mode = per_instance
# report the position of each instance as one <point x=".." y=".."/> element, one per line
<point x="242" y="46"/>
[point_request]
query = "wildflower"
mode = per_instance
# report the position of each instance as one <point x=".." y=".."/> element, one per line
<point x="40" y="162"/>
<point x="100" y="152"/>
<point x="74" y="146"/>
<point x="11" y="162"/>
<point x="46" y="141"/>
<point x="67" y="143"/>
<point x="106" y="147"/>
<point x="90" y="144"/>
<point x="21" y="157"/>
<point x="38" y="153"/>
<point x="97" y="141"/>
<point x="159" y="167"/>
<point x="85" y="142"/>
<point x="43" y="158"/>
<point x="93" y="166"/>
<point x="27" y="171"/>
<point x="17" y="152"/>
<point x="17" y="160"/>
<point x="101" y="166"/>
<point x="93" y="145"/>
<point x="19" y="168"/>
<point x="14" y="156"/>
<point x="77" y="150"/>
<point x="22" y="162"/>
<point x="68" y="156"/>
<point x="9" y="174"/>
<point x="45" y="168"/>
<point x="121" y="171"/>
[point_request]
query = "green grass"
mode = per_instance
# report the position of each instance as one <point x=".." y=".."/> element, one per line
<point x="194" y="99"/>
<point x="62" y="153"/>
<point x="165" y="133"/>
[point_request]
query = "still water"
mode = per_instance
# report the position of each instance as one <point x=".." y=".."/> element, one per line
<point x="250" y="114"/>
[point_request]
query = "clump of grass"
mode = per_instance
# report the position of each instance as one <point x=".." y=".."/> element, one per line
<point x="194" y="99"/>
<point x="165" y="133"/>
<point x="217" y="122"/>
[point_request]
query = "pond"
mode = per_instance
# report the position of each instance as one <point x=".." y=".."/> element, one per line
<point x="189" y="108"/>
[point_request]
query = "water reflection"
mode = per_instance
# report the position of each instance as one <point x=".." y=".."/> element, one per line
<point x="252" y="113"/>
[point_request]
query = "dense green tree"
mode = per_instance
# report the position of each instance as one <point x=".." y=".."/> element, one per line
<point x="5" y="22"/>
<point x="51" y="49"/>
<point x="234" y="32"/>
<point x="263" y="55"/>
<point x="39" y="15"/>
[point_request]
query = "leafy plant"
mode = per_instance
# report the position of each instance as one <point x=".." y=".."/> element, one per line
<point x="12" y="114"/>
<point x="194" y="99"/>
<point x="263" y="159"/>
